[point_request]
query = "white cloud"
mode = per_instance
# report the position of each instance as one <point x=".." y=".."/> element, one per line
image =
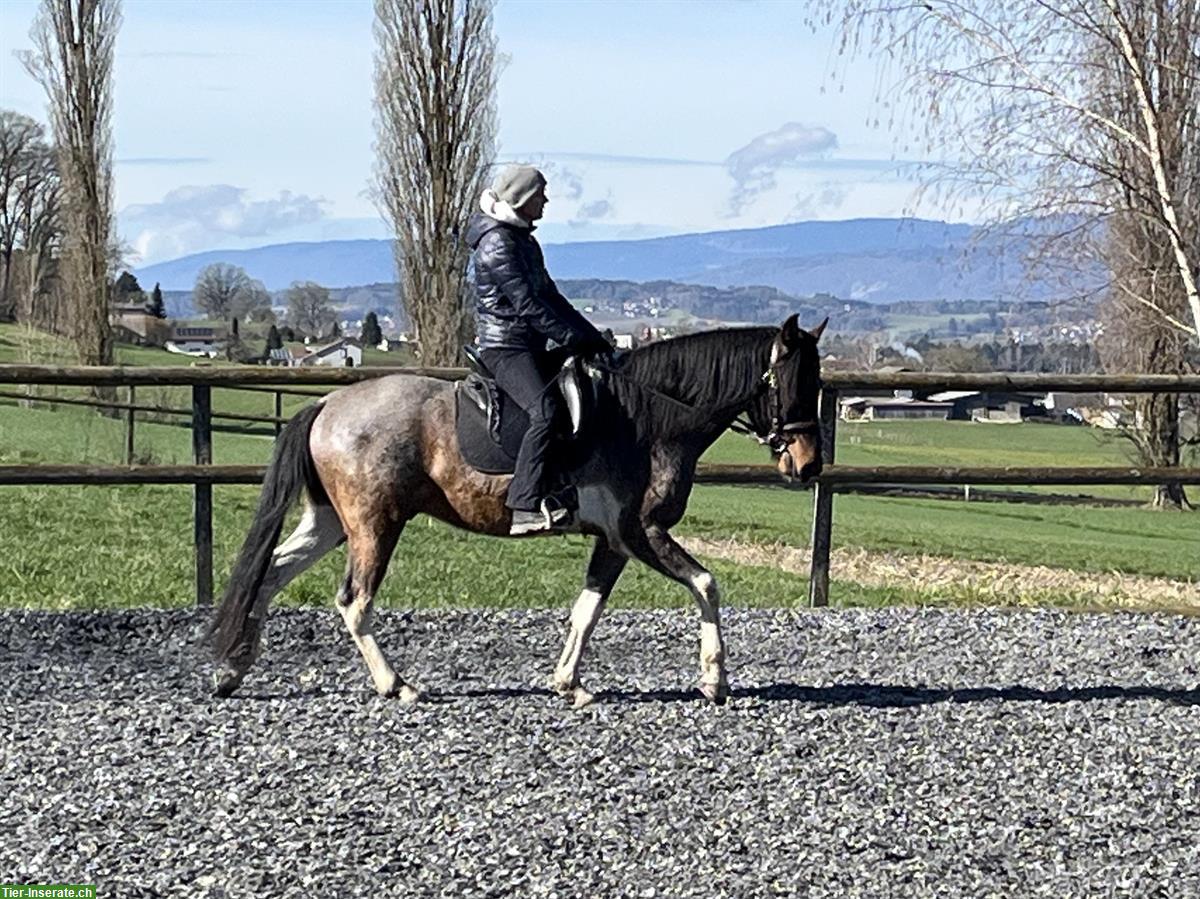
<point x="590" y="212"/>
<point x="860" y="290"/>
<point x="189" y="219"/>
<point x="753" y="166"/>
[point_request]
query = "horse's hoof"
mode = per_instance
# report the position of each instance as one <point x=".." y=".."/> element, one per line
<point x="717" y="693"/>
<point x="225" y="682"/>
<point x="398" y="689"/>
<point x="563" y="688"/>
<point x="408" y="695"/>
<point x="582" y="698"/>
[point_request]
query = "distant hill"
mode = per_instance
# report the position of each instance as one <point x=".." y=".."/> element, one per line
<point x="334" y="263"/>
<point x="877" y="260"/>
<point x="628" y="306"/>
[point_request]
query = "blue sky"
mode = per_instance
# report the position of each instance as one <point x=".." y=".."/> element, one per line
<point x="242" y="123"/>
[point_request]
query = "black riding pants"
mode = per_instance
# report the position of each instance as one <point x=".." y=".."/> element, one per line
<point x="525" y="376"/>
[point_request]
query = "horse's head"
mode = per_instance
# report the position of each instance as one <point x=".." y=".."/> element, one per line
<point x="794" y="384"/>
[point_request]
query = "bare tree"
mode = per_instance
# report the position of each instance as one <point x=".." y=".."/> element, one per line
<point x="29" y="215"/>
<point x="74" y="42"/>
<point x="435" y="99"/>
<point x="310" y="309"/>
<point x="224" y="291"/>
<point x="255" y="306"/>
<point x="1006" y="91"/>
<point x="22" y="144"/>
<point x="40" y="236"/>
<point x="1080" y="116"/>
<point x="1154" y="81"/>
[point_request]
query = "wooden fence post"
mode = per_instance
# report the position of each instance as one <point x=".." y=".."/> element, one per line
<point x="129" y="428"/>
<point x="202" y="455"/>
<point x="278" y="412"/>
<point x="822" y="532"/>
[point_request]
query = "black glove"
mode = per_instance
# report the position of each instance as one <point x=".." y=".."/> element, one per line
<point x="593" y="346"/>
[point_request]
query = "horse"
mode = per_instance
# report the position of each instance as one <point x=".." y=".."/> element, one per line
<point x="371" y="456"/>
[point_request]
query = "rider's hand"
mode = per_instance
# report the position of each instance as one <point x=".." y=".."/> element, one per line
<point x="603" y="351"/>
<point x="593" y="346"/>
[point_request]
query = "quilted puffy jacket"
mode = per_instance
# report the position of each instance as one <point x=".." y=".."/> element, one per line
<point x="517" y="304"/>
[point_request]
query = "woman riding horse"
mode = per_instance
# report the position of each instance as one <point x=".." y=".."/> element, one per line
<point x="518" y="310"/>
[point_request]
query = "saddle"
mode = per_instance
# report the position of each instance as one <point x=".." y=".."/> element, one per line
<point x="490" y="426"/>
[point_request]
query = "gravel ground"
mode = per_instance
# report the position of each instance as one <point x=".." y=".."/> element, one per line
<point x="865" y="753"/>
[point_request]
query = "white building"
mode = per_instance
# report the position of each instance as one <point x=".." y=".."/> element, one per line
<point x="344" y="353"/>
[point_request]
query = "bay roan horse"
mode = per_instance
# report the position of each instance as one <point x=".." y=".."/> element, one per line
<point x="371" y="456"/>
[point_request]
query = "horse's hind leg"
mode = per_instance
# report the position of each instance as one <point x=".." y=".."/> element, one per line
<point x="602" y="573"/>
<point x="366" y="565"/>
<point x="318" y="531"/>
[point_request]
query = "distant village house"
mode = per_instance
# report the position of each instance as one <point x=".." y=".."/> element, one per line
<point x="344" y="353"/>
<point x="197" y="339"/>
<point x="131" y="323"/>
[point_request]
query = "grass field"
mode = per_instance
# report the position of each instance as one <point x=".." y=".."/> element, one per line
<point x="101" y="546"/>
<point x="21" y="345"/>
<point x="107" y="546"/>
<point x="966" y="444"/>
<point x="901" y="326"/>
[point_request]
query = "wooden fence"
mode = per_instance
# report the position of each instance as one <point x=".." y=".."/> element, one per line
<point x="203" y="474"/>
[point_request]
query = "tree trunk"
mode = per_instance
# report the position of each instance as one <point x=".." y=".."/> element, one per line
<point x="1159" y="444"/>
<point x="1170" y="496"/>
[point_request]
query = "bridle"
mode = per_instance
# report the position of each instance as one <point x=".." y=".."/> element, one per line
<point x="779" y="433"/>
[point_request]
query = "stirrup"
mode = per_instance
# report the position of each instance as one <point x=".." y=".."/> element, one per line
<point x="556" y="513"/>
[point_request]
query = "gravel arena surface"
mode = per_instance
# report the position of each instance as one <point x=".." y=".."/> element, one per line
<point x="889" y="753"/>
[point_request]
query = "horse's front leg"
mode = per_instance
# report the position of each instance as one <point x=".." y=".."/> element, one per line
<point x="603" y="570"/>
<point x="660" y="551"/>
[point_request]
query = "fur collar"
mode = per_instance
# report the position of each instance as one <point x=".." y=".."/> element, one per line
<point x="494" y="207"/>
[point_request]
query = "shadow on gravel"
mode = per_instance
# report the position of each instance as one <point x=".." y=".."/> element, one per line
<point x="875" y="695"/>
<point x="444" y="696"/>
<point x="880" y="695"/>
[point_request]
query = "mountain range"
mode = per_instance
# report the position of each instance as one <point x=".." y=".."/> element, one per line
<point x="877" y="260"/>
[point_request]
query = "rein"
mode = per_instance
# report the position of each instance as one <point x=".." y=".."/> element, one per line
<point x="779" y="433"/>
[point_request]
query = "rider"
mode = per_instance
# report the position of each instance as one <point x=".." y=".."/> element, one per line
<point x="518" y="310"/>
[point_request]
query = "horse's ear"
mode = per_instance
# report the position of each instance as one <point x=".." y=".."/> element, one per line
<point x="819" y="329"/>
<point x="790" y="332"/>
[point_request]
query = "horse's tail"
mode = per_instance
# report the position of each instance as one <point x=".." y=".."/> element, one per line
<point x="291" y="470"/>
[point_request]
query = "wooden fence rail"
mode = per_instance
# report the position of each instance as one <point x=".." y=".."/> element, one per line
<point x="257" y="375"/>
<point x="202" y="474"/>
<point x="744" y="475"/>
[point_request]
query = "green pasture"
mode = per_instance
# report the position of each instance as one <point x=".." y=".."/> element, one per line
<point x="95" y="547"/>
<point x="902" y="325"/>
<point x="976" y="444"/>
<point x="23" y="345"/>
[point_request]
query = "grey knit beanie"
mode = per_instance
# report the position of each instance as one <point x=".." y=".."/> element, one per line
<point x="517" y="183"/>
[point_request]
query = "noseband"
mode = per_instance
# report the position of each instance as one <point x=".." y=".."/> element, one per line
<point x="780" y="433"/>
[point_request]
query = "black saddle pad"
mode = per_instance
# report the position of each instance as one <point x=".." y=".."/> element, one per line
<point x="475" y="440"/>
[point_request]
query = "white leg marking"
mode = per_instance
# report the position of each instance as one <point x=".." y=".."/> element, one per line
<point x="357" y="616"/>
<point x="584" y="615"/>
<point x="712" y="647"/>
<point x="706" y="585"/>
<point x="318" y="531"/>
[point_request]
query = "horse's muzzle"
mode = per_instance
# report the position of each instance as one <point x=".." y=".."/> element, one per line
<point x="807" y="471"/>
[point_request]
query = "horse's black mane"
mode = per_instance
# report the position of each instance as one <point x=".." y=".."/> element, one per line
<point x="704" y="373"/>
